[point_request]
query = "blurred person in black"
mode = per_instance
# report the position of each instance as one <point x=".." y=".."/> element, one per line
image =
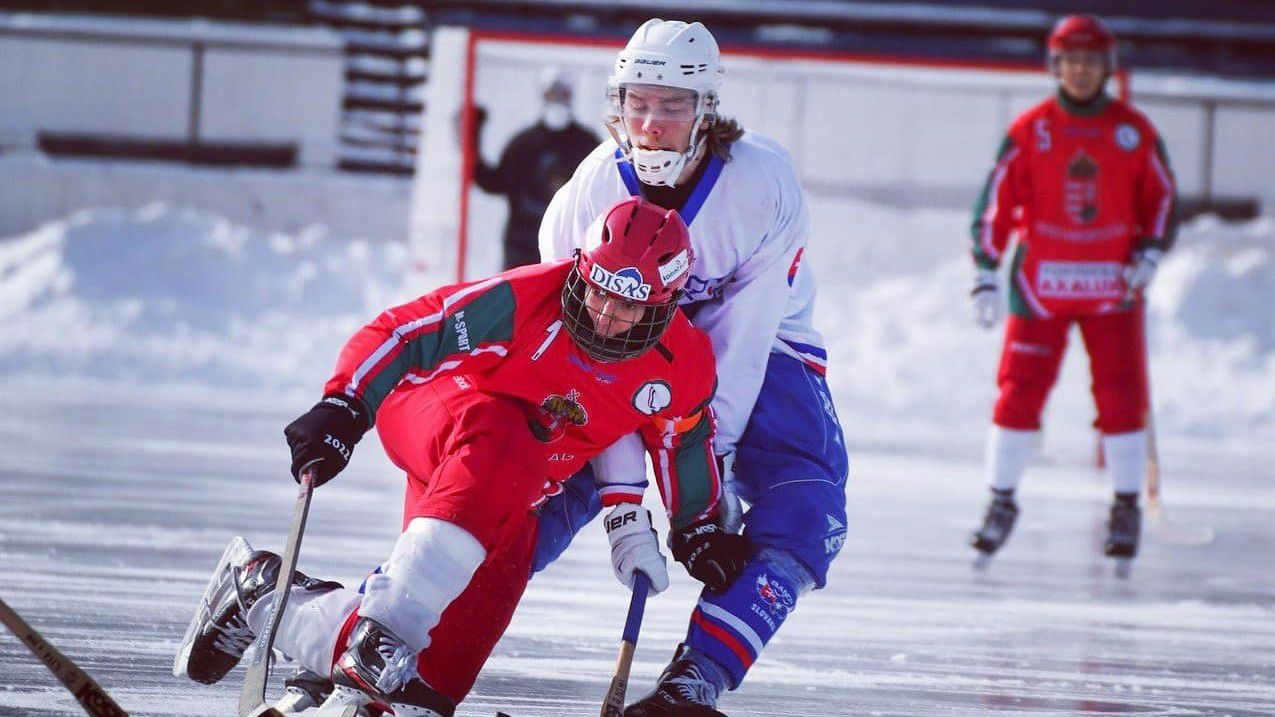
<point x="537" y="161"/>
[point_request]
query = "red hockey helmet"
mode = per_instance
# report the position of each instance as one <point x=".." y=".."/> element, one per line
<point x="1082" y="32"/>
<point x="622" y="292"/>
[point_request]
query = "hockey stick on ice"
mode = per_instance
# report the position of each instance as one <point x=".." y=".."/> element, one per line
<point x="91" y="696"/>
<point x="252" y="699"/>
<point x="1162" y="526"/>
<point x="613" y="706"/>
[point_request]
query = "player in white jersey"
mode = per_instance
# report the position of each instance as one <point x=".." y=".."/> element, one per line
<point x="778" y="437"/>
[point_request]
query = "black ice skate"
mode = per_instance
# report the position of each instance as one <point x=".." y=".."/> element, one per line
<point x="1124" y="529"/>
<point x="302" y="690"/>
<point x="218" y="634"/>
<point x="997" y="525"/>
<point x="379" y="670"/>
<point x="683" y="691"/>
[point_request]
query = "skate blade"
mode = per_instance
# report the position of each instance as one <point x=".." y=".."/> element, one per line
<point x="342" y="700"/>
<point x="982" y="561"/>
<point x="1124" y="567"/>
<point x="237" y="550"/>
<point x="346" y="711"/>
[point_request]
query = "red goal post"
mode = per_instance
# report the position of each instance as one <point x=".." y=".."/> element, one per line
<point x="900" y="129"/>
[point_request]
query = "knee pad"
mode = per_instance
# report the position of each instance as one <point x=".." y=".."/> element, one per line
<point x="806" y="520"/>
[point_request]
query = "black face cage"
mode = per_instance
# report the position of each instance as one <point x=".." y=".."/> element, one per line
<point x="643" y="334"/>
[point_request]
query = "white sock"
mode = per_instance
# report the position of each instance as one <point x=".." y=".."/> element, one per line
<point x="1007" y="454"/>
<point x="309" y="626"/>
<point x="1126" y="455"/>
<point x="432" y="563"/>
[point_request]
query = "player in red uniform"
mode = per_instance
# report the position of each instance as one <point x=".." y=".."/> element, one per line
<point x="487" y="394"/>
<point x="1085" y="181"/>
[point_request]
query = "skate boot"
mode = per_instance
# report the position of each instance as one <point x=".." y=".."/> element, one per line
<point x="302" y="690"/>
<point x="218" y="635"/>
<point x="378" y="670"/>
<point x="1124" y="529"/>
<point x="997" y="525"/>
<point x="682" y="691"/>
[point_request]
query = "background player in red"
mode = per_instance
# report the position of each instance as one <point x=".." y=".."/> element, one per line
<point x="488" y="395"/>
<point x="1085" y="181"/>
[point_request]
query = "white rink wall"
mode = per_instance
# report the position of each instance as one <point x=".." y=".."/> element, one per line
<point x="170" y="80"/>
<point x="356" y="206"/>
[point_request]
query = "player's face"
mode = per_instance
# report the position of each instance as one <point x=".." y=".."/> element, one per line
<point x="659" y="117"/>
<point x="611" y="315"/>
<point x="1081" y="73"/>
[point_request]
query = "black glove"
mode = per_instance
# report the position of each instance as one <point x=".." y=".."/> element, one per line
<point x="324" y="437"/>
<point x="711" y="555"/>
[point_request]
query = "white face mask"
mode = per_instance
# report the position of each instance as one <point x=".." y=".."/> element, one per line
<point x="556" y="116"/>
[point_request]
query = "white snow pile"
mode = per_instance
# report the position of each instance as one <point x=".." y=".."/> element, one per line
<point x="163" y="296"/>
<point x="173" y="296"/>
<point x="893" y="306"/>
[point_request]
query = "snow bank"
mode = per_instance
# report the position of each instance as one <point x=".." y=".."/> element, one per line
<point x="165" y="296"/>
<point x="893" y="306"/>
<point x="171" y="296"/>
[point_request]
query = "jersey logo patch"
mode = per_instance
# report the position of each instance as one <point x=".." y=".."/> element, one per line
<point x="556" y="411"/>
<point x="675" y="267"/>
<point x="1128" y="137"/>
<point x="1079" y="280"/>
<point x="652" y="397"/>
<point x="776" y="596"/>
<point x="627" y="282"/>
<point x="1080" y="190"/>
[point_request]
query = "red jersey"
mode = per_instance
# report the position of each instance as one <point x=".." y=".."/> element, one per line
<point x="504" y="337"/>
<point x="1085" y="186"/>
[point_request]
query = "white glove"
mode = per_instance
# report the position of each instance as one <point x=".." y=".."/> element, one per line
<point x="1140" y="273"/>
<point x="635" y="546"/>
<point x="986" y="295"/>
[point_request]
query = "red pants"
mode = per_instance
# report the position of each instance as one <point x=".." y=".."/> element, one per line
<point x="470" y="460"/>
<point x="1032" y="354"/>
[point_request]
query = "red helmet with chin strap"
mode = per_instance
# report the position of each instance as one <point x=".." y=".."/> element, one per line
<point x="1082" y="32"/>
<point x="640" y="254"/>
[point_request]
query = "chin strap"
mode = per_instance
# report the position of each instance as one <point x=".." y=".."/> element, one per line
<point x="648" y="168"/>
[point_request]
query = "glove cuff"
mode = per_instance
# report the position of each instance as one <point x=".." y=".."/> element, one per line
<point x="625" y="520"/>
<point x="351" y="409"/>
<point x="679" y="541"/>
<point x="985" y="280"/>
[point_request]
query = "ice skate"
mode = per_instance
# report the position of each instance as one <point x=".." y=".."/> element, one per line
<point x="997" y="525"/>
<point x="682" y="691"/>
<point x="303" y="690"/>
<point x="1124" y="529"/>
<point x="378" y="671"/>
<point x="219" y="634"/>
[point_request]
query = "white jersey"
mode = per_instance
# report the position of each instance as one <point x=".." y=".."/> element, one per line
<point x="749" y="289"/>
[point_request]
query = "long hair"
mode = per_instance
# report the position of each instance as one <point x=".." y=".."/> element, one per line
<point x="721" y="134"/>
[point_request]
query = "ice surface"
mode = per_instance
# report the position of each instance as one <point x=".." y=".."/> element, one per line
<point x="150" y="359"/>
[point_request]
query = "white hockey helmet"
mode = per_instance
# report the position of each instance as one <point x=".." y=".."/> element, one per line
<point x="671" y="53"/>
<point x="666" y="53"/>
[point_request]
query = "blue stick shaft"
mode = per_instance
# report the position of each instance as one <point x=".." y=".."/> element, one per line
<point x="641" y="584"/>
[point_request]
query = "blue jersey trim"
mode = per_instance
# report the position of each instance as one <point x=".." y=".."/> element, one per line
<point x="628" y="174"/>
<point x="807" y="349"/>
<point x="698" y="195"/>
